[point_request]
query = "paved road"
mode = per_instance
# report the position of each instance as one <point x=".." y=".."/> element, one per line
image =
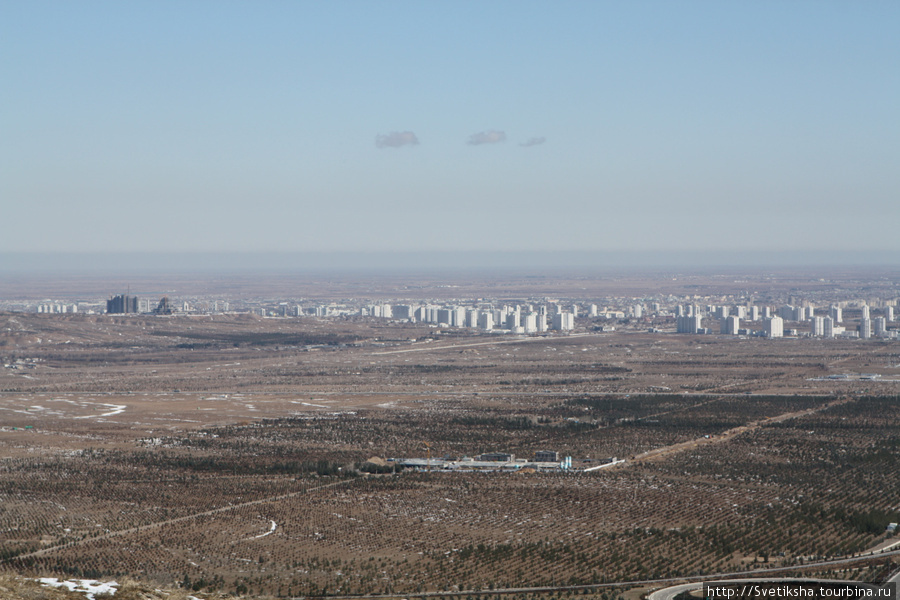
<point x="657" y="453"/>
<point x="698" y="581"/>
<point x="669" y="593"/>
<point x="895" y="578"/>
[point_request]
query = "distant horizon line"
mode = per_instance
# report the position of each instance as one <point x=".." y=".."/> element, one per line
<point x="436" y="260"/>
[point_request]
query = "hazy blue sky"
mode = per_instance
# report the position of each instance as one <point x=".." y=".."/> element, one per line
<point x="433" y="125"/>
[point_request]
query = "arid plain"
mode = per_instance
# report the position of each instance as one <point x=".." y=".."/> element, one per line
<point x="251" y="455"/>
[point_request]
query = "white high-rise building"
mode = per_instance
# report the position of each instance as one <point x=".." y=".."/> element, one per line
<point x="754" y="313"/>
<point x="880" y="326"/>
<point x="865" y="328"/>
<point x="774" y="327"/>
<point x="837" y="314"/>
<point x="434" y="314"/>
<point x="512" y="320"/>
<point x="638" y="311"/>
<point x="593" y="311"/>
<point x="767" y="312"/>
<point x="730" y="325"/>
<point x="530" y="323"/>
<point x="472" y="318"/>
<point x="689" y="324"/>
<point x="486" y="320"/>
<point x="889" y="313"/>
<point x="828" y="327"/>
<point x="403" y="311"/>
<point x="740" y="312"/>
<point x="563" y="321"/>
<point x="817" y="326"/>
<point x="865" y="312"/>
<point x="810" y="312"/>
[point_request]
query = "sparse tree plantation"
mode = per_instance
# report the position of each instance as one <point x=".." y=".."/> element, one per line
<point x="245" y="468"/>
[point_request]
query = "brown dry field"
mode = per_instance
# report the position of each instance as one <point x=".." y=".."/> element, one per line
<point x="165" y="449"/>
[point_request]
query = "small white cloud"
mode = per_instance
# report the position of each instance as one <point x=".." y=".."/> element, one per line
<point x="487" y="137"/>
<point x="396" y="139"/>
<point x="535" y="141"/>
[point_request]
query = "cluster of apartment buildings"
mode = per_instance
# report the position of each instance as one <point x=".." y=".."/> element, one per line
<point x="689" y="319"/>
<point x="57" y="308"/>
<point x="539" y="315"/>
<point x="514" y="319"/>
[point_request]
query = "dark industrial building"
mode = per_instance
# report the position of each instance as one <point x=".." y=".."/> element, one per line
<point x="163" y="308"/>
<point x="546" y="456"/>
<point x="122" y="304"/>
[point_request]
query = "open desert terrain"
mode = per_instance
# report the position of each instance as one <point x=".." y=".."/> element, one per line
<point x="255" y="455"/>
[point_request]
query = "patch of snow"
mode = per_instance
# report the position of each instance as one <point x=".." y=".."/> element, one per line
<point x="89" y="587"/>
<point x="117" y="409"/>
<point x="272" y="526"/>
